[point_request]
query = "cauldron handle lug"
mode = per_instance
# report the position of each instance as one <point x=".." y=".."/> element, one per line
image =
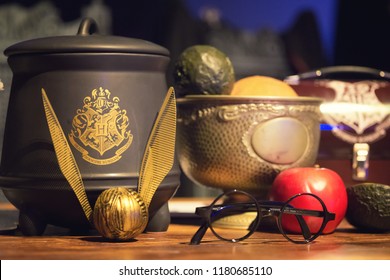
<point x="160" y="220"/>
<point x="31" y="224"/>
<point x="88" y="26"/>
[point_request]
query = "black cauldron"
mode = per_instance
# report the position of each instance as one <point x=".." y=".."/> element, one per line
<point x="106" y="92"/>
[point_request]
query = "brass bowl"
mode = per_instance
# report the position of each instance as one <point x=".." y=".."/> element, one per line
<point x="229" y="142"/>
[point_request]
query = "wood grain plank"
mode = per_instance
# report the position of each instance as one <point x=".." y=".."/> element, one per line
<point x="345" y="243"/>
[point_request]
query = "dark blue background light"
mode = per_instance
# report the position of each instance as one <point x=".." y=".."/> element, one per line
<point x="252" y="15"/>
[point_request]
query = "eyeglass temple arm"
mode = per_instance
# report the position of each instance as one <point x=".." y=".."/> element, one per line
<point x="195" y="240"/>
<point x="302" y="223"/>
<point x="305" y="229"/>
<point x="330" y="216"/>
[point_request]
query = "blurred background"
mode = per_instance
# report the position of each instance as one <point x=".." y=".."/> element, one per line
<point x="275" y="38"/>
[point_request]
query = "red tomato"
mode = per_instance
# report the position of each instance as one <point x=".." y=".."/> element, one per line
<point x="323" y="182"/>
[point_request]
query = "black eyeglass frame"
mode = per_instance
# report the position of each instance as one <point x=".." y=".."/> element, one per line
<point x="271" y="207"/>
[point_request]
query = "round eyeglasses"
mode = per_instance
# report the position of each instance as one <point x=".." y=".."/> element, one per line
<point x="235" y="215"/>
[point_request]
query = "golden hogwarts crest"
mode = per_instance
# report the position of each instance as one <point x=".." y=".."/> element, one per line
<point x="100" y="130"/>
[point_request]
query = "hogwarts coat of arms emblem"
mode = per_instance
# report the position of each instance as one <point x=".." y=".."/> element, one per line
<point x="356" y="113"/>
<point x="100" y="129"/>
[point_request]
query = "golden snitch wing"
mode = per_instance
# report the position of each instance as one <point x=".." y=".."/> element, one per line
<point x="66" y="160"/>
<point x="160" y="150"/>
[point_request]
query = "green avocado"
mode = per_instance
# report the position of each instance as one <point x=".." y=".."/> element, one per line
<point x="203" y="69"/>
<point x="369" y="206"/>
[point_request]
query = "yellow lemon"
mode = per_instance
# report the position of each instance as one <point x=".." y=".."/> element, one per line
<point x="262" y="86"/>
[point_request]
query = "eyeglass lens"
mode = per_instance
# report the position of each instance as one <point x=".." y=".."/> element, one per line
<point x="234" y="216"/>
<point x="302" y="218"/>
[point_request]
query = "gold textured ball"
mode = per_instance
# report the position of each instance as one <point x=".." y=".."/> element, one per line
<point x="120" y="214"/>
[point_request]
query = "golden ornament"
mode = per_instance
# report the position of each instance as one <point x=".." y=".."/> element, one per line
<point x="120" y="214"/>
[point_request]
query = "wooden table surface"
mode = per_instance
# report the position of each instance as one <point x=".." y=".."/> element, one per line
<point x="345" y="243"/>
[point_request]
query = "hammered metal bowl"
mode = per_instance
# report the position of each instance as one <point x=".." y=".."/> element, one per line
<point x="234" y="142"/>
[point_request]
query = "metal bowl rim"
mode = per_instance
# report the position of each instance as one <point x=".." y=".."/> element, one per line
<point x="247" y="99"/>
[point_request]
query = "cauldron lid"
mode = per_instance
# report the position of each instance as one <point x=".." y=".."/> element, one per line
<point x="87" y="40"/>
